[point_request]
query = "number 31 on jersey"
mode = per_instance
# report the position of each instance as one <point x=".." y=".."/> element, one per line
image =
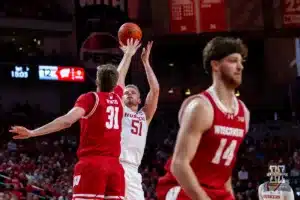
<point x="226" y="154"/>
<point x="113" y="117"/>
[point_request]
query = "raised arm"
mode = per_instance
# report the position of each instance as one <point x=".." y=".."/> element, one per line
<point x="289" y="194"/>
<point x="129" y="50"/>
<point x="152" y="96"/>
<point x="83" y="106"/>
<point x="196" y="118"/>
<point x="56" y="125"/>
<point x="260" y="190"/>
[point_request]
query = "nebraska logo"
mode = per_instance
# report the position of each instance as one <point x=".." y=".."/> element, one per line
<point x="96" y="47"/>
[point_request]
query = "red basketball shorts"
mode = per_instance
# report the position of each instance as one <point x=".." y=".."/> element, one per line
<point x="98" y="178"/>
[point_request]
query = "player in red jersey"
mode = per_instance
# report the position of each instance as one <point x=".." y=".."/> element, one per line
<point x="212" y="127"/>
<point x="98" y="174"/>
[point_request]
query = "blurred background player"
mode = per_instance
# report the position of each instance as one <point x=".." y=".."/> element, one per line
<point x="277" y="187"/>
<point x="212" y="127"/>
<point x="135" y="128"/>
<point x="98" y="173"/>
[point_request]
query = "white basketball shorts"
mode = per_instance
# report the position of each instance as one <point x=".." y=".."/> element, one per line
<point x="133" y="182"/>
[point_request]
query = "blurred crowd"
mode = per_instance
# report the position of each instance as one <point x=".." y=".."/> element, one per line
<point x="25" y="45"/>
<point x="41" y="168"/>
<point x="34" y="9"/>
<point x="28" y="47"/>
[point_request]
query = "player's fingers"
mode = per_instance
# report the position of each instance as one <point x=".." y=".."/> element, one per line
<point x="17" y="137"/>
<point x="150" y="44"/>
<point x="131" y="41"/>
<point x="12" y="131"/>
<point x="136" y="42"/>
<point x="148" y="47"/>
<point x="143" y="51"/>
<point x="139" y="46"/>
<point x="128" y="42"/>
<point x="19" y="134"/>
<point x="19" y="129"/>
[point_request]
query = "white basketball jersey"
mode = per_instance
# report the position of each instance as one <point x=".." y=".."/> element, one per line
<point x="282" y="192"/>
<point x="134" y="135"/>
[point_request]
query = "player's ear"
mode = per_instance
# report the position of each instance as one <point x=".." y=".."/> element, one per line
<point x="139" y="101"/>
<point x="214" y="65"/>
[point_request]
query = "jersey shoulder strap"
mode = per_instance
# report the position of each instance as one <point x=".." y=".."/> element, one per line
<point x="188" y="100"/>
<point x="97" y="99"/>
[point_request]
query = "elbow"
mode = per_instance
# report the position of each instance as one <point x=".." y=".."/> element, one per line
<point x="67" y="124"/>
<point x="176" y="166"/>
<point x="64" y="123"/>
<point x="155" y="90"/>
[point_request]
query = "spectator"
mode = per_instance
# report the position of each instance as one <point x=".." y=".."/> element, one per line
<point x="11" y="146"/>
<point x="295" y="172"/>
<point x="243" y="174"/>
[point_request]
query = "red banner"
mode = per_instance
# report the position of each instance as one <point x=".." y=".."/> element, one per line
<point x="291" y="13"/>
<point x="183" y="16"/>
<point x="213" y="16"/>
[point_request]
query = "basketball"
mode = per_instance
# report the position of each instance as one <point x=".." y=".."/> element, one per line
<point x="129" y="30"/>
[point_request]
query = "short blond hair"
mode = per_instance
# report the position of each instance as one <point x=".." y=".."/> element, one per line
<point x="134" y="87"/>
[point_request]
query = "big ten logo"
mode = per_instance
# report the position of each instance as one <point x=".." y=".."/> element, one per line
<point x="121" y="4"/>
<point x="277" y="174"/>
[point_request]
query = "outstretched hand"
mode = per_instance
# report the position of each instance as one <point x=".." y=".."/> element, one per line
<point x="146" y="52"/>
<point x="21" y="131"/>
<point x="131" y="47"/>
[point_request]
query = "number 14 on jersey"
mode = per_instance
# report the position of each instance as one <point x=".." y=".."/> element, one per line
<point x="225" y="154"/>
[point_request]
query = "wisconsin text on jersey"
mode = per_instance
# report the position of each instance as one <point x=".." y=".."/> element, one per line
<point x="228" y="131"/>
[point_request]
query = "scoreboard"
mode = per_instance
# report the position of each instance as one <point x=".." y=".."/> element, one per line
<point x="61" y="73"/>
<point x="11" y="72"/>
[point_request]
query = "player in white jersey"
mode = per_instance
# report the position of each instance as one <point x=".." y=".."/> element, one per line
<point x="279" y="191"/>
<point x="135" y="127"/>
<point x="277" y="187"/>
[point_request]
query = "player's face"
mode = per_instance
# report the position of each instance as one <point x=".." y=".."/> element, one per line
<point x="131" y="97"/>
<point x="231" y="68"/>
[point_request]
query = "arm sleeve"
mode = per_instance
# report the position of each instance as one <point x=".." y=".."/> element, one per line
<point x="290" y="195"/>
<point x="119" y="91"/>
<point x="85" y="101"/>
<point x="260" y="188"/>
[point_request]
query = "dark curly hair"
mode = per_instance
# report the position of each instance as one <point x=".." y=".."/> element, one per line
<point x="220" y="47"/>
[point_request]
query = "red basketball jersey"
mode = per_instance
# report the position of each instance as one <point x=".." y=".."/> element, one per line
<point x="217" y="151"/>
<point x="101" y="128"/>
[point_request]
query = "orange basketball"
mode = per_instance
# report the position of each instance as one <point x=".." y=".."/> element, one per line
<point x="129" y="30"/>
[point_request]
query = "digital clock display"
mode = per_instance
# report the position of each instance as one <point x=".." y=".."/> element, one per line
<point x="20" y="72"/>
